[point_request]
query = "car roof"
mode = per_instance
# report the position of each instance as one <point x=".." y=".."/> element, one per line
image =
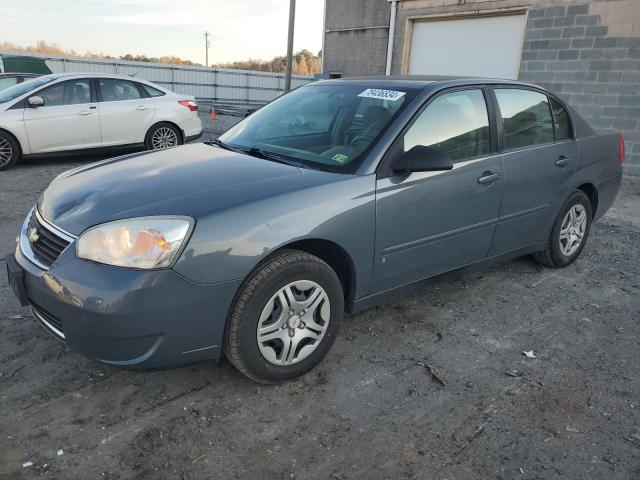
<point x="57" y="76"/>
<point x="420" y="81"/>
<point x="19" y="74"/>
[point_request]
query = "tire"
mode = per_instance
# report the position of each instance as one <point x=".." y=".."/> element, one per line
<point x="9" y="151"/>
<point x="262" y="355"/>
<point x="162" y="136"/>
<point x="558" y="254"/>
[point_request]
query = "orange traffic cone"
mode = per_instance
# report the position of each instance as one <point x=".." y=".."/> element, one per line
<point x="214" y="115"/>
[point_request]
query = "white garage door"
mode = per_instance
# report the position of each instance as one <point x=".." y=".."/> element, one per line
<point x="486" y="46"/>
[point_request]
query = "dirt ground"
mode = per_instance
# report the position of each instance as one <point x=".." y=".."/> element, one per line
<point x="432" y="385"/>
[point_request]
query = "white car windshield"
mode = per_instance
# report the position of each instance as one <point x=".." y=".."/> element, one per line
<point x="329" y="127"/>
<point x="20" y="89"/>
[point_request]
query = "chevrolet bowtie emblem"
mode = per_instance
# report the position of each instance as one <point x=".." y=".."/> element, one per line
<point x="33" y="235"/>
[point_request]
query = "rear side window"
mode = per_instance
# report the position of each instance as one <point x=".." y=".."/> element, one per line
<point x="526" y="118"/>
<point x="71" y="92"/>
<point x="116" y="90"/>
<point x="561" y="121"/>
<point x="456" y="123"/>
<point x="152" y="92"/>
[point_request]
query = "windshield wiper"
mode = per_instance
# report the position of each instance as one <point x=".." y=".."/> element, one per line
<point x="259" y="153"/>
<point x="221" y="144"/>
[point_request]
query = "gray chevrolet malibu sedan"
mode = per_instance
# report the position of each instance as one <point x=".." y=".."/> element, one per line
<point x="326" y="199"/>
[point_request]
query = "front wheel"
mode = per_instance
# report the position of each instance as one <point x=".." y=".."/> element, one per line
<point x="285" y="318"/>
<point x="569" y="234"/>
<point x="162" y="136"/>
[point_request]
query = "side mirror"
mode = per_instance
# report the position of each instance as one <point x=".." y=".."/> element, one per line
<point x="423" y="159"/>
<point x="36" y="101"/>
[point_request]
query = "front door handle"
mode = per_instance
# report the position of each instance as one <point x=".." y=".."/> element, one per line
<point x="85" y="112"/>
<point x="142" y="107"/>
<point x="488" y="177"/>
<point x="563" y="161"/>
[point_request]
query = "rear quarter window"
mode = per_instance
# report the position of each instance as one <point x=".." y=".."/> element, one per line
<point x="561" y="121"/>
<point x="152" y="92"/>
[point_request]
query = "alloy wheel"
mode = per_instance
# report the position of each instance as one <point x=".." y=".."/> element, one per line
<point x="164" y="137"/>
<point x="293" y="322"/>
<point x="6" y="152"/>
<point x="573" y="229"/>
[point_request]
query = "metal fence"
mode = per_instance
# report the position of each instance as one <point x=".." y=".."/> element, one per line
<point x="213" y="84"/>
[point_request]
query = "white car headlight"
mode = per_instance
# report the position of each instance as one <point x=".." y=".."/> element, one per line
<point x="145" y="242"/>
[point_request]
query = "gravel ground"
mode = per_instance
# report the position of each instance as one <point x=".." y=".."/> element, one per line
<point x="432" y="385"/>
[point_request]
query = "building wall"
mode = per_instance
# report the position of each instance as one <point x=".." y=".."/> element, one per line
<point x="569" y="50"/>
<point x="588" y="52"/>
<point x="354" y="50"/>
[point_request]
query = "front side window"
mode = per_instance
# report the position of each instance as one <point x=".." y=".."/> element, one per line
<point x="456" y="123"/>
<point x="526" y="118"/>
<point x="71" y="92"/>
<point x="116" y="90"/>
<point x="328" y="127"/>
<point x="561" y="121"/>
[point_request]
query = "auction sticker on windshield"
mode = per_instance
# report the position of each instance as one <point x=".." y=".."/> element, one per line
<point x="382" y="94"/>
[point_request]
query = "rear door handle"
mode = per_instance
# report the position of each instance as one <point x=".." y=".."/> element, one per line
<point x="563" y="161"/>
<point x="142" y="107"/>
<point x="85" y="112"/>
<point x="489" y="177"/>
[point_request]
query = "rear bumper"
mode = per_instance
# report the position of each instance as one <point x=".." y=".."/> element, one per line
<point x="607" y="193"/>
<point x="193" y="137"/>
<point x="191" y="128"/>
<point x="127" y="318"/>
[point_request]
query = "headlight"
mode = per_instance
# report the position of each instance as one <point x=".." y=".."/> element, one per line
<point x="145" y="242"/>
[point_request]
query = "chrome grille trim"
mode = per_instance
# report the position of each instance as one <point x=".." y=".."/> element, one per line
<point x="46" y="323"/>
<point x="25" y="245"/>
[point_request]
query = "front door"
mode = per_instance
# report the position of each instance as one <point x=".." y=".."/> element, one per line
<point x="68" y="120"/>
<point x="428" y="223"/>
<point x="539" y="160"/>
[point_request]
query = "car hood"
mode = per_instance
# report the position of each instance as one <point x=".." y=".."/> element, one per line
<point x="188" y="180"/>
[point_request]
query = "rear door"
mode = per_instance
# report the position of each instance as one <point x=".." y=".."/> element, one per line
<point x="433" y="222"/>
<point x="68" y="120"/>
<point x="126" y="111"/>
<point x="539" y="159"/>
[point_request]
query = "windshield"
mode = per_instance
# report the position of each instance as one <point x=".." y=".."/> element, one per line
<point x="329" y="127"/>
<point x="20" y="89"/>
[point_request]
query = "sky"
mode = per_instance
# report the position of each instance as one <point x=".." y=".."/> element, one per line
<point x="240" y="29"/>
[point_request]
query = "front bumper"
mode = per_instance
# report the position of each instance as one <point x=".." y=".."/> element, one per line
<point x="128" y="318"/>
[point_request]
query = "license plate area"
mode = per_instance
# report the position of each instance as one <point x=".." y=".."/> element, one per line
<point x="15" y="274"/>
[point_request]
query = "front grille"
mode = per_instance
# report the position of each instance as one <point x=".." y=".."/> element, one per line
<point x="50" y="323"/>
<point x="45" y="244"/>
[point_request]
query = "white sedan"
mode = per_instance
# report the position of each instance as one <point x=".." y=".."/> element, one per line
<point x="82" y="112"/>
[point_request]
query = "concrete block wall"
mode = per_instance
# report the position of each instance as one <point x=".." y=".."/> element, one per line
<point x="569" y="50"/>
<point x="354" y="50"/>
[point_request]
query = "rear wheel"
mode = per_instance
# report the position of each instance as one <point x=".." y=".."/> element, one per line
<point x="9" y="151"/>
<point x="162" y="136"/>
<point x="285" y="318"/>
<point x="569" y="234"/>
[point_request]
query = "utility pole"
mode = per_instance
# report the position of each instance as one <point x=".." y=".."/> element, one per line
<point x="207" y="44"/>
<point x="292" y="21"/>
